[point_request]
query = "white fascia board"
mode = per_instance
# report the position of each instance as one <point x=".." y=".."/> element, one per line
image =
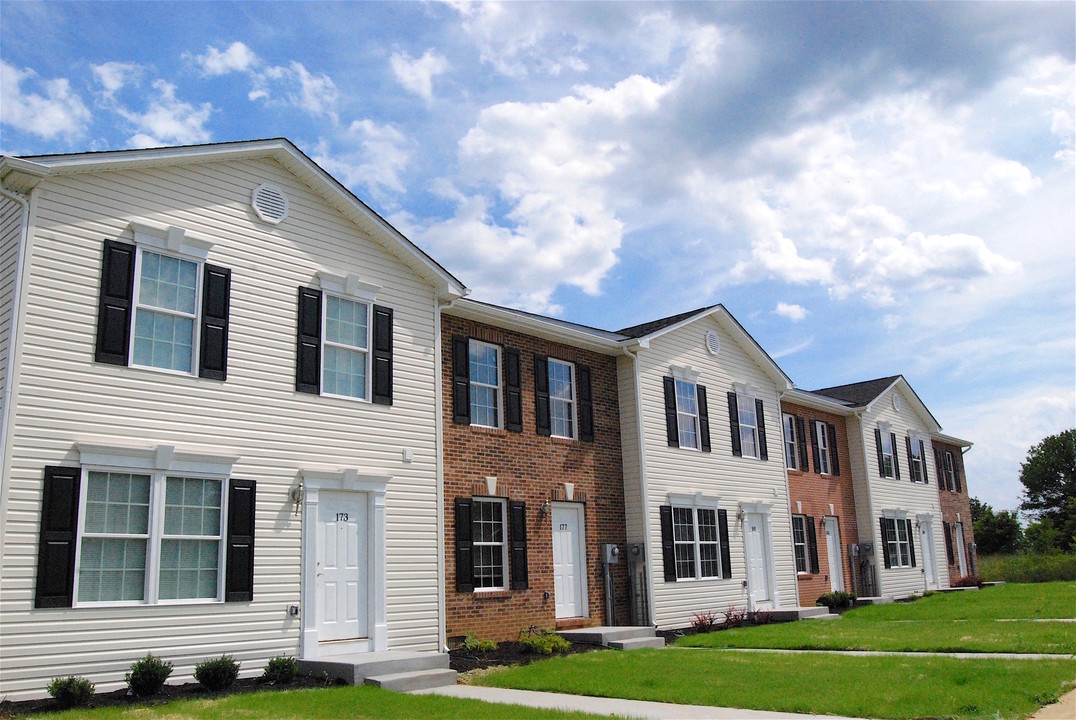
<point x="815" y="401"/>
<point x="535" y="326"/>
<point x="902" y="386"/>
<point x="950" y="440"/>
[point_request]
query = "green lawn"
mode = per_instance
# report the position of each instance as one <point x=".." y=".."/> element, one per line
<point x="339" y="702"/>
<point x="944" y="622"/>
<point x="878" y="687"/>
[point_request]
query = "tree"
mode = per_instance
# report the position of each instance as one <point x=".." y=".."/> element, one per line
<point x="997" y="533"/>
<point x="1049" y="479"/>
<point x="977" y="507"/>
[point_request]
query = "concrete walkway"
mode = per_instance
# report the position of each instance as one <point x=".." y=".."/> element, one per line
<point x="961" y="655"/>
<point x="612" y="706"/>
<point x="1064" y="709"/>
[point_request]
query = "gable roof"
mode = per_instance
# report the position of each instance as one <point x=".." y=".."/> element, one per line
<point x="562" y="331"/>
<point x="22" y="174"/>
<point x="859" y="394"/>
<point x="648" y="328"/>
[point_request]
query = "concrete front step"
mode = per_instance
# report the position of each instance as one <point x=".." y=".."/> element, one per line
<point x="417" y="680"/>
<point x="604" y="635"/>
<point x="799" y="613"/>
<point x="356" y="667"/>
<point x="637" y="643"/>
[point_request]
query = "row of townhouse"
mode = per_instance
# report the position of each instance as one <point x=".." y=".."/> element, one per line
<point x="241" y="413"/>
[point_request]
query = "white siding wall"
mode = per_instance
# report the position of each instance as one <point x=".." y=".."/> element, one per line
<point x="256" y="415"/>
<point x="629" y="442"/>
<point x="888" y="494"/>
<point x="9" y="243"/>
<point x="718" y="473"/>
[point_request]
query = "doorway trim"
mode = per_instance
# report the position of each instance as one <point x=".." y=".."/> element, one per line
<point x="374" y="487"/>
<point x="580" y="557"/>
<point x="931" y="580"/>
<point x="834" y="553"/>
<point x="762" y="509"/>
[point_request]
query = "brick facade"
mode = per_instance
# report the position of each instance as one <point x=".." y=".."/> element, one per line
<point x="815" y="493"/>
<point x="534" y="468"/>
<point x="956" y="508"/>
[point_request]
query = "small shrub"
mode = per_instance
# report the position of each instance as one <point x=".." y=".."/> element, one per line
<point x="543" y="642"/>
<point x="218" y="673"/>
<point x="761" y="617"/>
<point x="735" y="617"/>
<point x="837" y="601"/>
<point x="148" y="675"/>
<point x="280" y="670"/>
<point x="704" y="622"/>
<point x="969" y="581"/>
<point x="72" y="691"/>
<point x="473" y="643"/>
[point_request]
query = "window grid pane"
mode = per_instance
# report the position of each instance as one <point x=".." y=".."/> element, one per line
<point x="823" y="448"/>
<point x="709" y="553"/>
<point x="112" y="569"/>
<point x="791" y="444"/>
<point x="561" y="399"/>
<point x="189" y="566"/>
<point x="799" y="542"/>
<point x="487" y="528"/>
<point x="485" y="376"/>
<point x="687" y="414"/>
<point x="165" y="313"/>
<point x="684" y="542"/>
<point x="345" y="372"/>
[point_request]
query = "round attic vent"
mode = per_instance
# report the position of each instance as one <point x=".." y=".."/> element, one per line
<point x="270" y="203"/>
<point x="713" y="342"/>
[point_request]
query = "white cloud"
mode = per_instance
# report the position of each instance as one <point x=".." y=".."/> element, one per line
<point x="114" y="76"/>
<point x="168" y="120"/>
<point x="317" y="94"/>
<point x="369" y="155"/>
<point x="793" y="312"/>
<point x="417" y="75"/>
<point x="57" y="112"/>
<point x="236" y="58"/>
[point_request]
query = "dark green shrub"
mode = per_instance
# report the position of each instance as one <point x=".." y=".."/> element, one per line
<point x="544" y="642"/>
<point x="148" y="675"/>
<point x="72" y="691"/>
<point x="218" y="673"/>
<point x="835" y="601"/>
<point x="476" y="644"/>
<point x="280" y="670"/>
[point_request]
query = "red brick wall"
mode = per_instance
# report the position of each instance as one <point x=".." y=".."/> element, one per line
<point x="815" y="493"/>
<point x="954" y="504"/>
<point x="534" y="468"/>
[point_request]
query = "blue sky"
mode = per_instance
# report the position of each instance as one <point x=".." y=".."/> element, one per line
<point x="871" y="188"/>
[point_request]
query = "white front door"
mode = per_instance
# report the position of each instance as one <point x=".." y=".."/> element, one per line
<point x="926" y="544"/>
<point x="568" y="560"/>
<point x="961" y="556"/>
<point x="757" y="552"/>
<point x="833" y="549"/>
<point x="342" y="573"/>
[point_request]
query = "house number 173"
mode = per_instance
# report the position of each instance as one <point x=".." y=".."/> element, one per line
<point x="341" y="517"/>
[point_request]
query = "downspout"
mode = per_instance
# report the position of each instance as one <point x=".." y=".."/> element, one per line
<point x="643" y="490"/>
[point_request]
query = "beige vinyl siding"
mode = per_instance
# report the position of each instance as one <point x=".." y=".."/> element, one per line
<point x="256" y="414"/>
<point x="861" y="457"/>
<point x="717" y="473"/>
<point x="634" y="521"/>
<point x="902" y="495"/>
<point x="10" y="216"/>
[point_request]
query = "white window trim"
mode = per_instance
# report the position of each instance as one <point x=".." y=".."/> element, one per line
<point x="747" y="401"/>
<point x="347" y="285"/>
<point x="899" y="518"/>
<point x="682" y="417"/>
<point x="696" y="503"/>
<point x="196" y="317"/>
<point x="920" y="475"/>
<point x="366" y="352"/>
<point x="950" y="471"/>
<point x="503" y="544"/>
<point x="886" y="432"/>
<point x="788" y="427"/>
<point x="824" y="459"/>
<point x="572" y="404"/>
<point x="806" y="545"/>
<point x="170" y="239"/>
<point x="498" y="394"/>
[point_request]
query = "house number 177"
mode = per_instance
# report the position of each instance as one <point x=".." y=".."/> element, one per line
<point x="341" y="517"/>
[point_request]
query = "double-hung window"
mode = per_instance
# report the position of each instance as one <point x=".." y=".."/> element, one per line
<point x="950" y="471"/>
<point x="799" y="543"/>
<point x="485" y="374"/>
<point x="165" y="312"/>
<point x="916" y="464"/>
<point x="695" y="540"/>
<point x="792" y="451"/>
<point x="490" y="542"/>
<point x="687" y="414"/>
<point x="822" y="439"/>
<point x="346" y="348"/>
<point x="888" y="459"/>
<point x="561" y="398"/>
<point x="897" y="535"/>
<point x="748" y="426"/>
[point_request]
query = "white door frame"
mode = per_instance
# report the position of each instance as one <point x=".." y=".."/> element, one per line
<point x="833" y="553"/>
<point x="961" y="550"/>
<point x="927" y="547"/>
<point x="580" y="555"/>
<point x="763" y="510"/>
<point x="374" y="487"/>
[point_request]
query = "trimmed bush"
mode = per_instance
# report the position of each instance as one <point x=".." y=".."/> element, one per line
<point x="280" y="670"/>
<point x="148" y="675"/>
<point x="218" y="673"/>
<point x="835" y="601"/>
<point x="544" y="642"/>
<point x="71" y="691"/>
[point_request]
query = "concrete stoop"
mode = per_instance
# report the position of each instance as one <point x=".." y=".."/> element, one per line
<point x="618" y="638"/>
<point x="393" y="669"/>
<point x="802" y="613"/>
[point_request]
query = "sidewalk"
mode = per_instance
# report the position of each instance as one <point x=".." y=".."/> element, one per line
<point x="867" y="653"/>
<point x="612" y="706"/>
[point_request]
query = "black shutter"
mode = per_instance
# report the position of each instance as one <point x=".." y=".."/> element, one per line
<point x="586" y="404"/>
<point x="760" y="423"/>
<point x="541" y="395"/>
<point x="812" y="543"/>
<point x="668" y="550"/>
<point x="704" y="419"/>
<point x="59" y="533"/>
<point x="948" y="542"/>
<point x="911" y="540"/>
<point x="814" y="447"/>
<point x="923" y="462"/>
<point x="801" y="438"/>
<point x="672" y="432"/>
<point x="114" y="303"/>
<point x="911" y="465"/>
<point x="513" y="392"/>
<point x="239" y="565"/>
<point x="834" y="459"/>
<point x="308" y="342"/>
<point x="896" y="455"/>
<point x="885" y="544"/>
<point x="956" y="474"/>
<point x="517" y="538"/>
<point x="464" y="545"/>
<point x="382" y="384"/>
<point x="878" y="446"/>
<point x="213" y="341"/>
<point x="734" y="425"/>
<point x="461" y="383"/>
<point x="939" y="468"/>
<point x="726" y="556"/>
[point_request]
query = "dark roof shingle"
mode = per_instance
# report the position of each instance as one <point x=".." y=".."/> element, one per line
<point x="860" y="393"/>
<point x="638" y="331"/>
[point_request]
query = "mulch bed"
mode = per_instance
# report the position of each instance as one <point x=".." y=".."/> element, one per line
<point x="507" y="653"/>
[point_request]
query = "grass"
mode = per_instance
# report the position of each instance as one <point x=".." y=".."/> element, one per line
<point x="1030" y="568"/>
<point x="944" y="622"/>
<point x="341" y="702"/>
<point x="880" y="687"/>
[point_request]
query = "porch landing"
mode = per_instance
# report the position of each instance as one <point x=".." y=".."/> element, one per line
<point x="802" y="613"/>
<point x="618" y="638"/>
<point x="392" y="669"/>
